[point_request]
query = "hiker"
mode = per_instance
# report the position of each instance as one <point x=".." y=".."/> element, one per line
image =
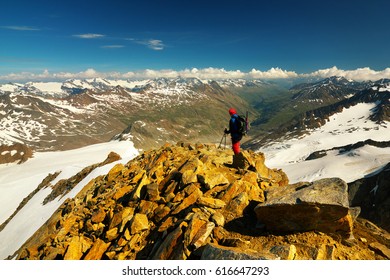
<point x="234" y="130"/>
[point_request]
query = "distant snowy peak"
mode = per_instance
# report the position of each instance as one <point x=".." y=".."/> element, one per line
<point x="338" y="80"/>
<point x="55" y="89"/>
<point x="327" y="91"/>
<point x="167" y="86"/>
<point x="98" y="85"/>
<point x="384" y="88"/>
<point x="178" y="85"/>
<point x="383" y="81"/>
<point x="382" y="85"/>
<point x="44" y="88"/>
<point x="239" y="83"/>
<point x="77" y="84"/>
<point x="334" y="81"/>
<point x="10" y="87"/>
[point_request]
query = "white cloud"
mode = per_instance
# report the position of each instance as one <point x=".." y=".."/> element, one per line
<point x="46" y="75"/>
<point x="359" y="74"/>
<point x="205" y="73"/>
<point x="156" y="45"/>
<point x="273" y="73"/>
<point x="25" y="76"/>
<point x="89" y="36"/>
<point x="153" y="44"/>
<point x="21" y="28"/>
<point x="212" y="73"/>
<point x="87" y="74"/>
<point x="151" y="74"/>
<point x="113" y="47"/>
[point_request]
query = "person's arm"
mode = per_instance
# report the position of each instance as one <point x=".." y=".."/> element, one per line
<point x="228" y="131"/>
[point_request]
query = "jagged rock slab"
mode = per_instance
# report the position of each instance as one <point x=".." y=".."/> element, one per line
<point x="217" y="252"/>
<point x="248" y="161"/>
<point x="321" y="205"/>
<point x="381" y="249"/>
<point x="285" y="252"/>
<point x="372" y="194"/>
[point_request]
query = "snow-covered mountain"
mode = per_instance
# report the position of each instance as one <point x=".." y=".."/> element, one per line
<point x="99" y="85"/>
<point x="333" y="133"/>
<point x="162" y="85"/>
<point x="240" y="83"/>
<point x="327" y="91"/>
<point x="75" y="113"/>
<point x="376" y="95"/>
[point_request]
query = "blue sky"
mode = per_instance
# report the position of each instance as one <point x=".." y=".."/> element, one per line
<point x="46" y="39"/>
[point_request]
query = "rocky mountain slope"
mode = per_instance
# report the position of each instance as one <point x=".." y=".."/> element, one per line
<point x="198" y="202"/>
<point x="18" y="153"/>
<point x="327" y="91"/>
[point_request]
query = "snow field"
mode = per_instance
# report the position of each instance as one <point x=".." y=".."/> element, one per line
<point x="348" y="127"/>
<point x="18" y="181"/>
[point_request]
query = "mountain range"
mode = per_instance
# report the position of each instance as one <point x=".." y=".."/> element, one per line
<point x="61" y="116"/>
<point x="73" y="114"/>
<point x="52" y="131"/>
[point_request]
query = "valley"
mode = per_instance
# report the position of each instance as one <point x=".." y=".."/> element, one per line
<point x="324" y="129"/>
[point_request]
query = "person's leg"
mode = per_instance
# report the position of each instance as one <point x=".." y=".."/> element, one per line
<point x="236" y="147"/>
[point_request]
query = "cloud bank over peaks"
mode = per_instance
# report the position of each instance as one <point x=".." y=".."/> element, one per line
<point x="359" y="74"/>
<point x="210" y="73"/>
<point x="273" y="73"/>
<point x="47" y="76"/>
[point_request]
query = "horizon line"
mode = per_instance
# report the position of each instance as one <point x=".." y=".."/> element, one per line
<point x="210" y="73"/>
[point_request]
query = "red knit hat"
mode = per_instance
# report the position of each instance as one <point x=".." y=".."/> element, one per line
<point x="232" y="111"/>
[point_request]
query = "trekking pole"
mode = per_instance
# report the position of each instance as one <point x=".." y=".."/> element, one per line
<point x="220" y="143"/>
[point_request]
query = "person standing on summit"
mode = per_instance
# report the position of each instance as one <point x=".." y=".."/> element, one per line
<point x="234" y="130"/>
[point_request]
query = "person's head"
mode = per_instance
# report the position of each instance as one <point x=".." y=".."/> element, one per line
<point x="232" y="111"/>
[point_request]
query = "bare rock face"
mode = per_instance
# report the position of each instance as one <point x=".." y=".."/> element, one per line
<point x="372" y="195"/>
<point x="217" y="252"/>
<point x="194" y="201"/>
<point x="18" y="153"/>
<point x="321" y="205"/>
<point x="247" y="160"/>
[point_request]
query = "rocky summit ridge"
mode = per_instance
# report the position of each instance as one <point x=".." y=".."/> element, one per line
<point x="195" y="201"/>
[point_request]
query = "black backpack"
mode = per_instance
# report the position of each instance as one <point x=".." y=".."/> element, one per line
<point x="242" y="125"/>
